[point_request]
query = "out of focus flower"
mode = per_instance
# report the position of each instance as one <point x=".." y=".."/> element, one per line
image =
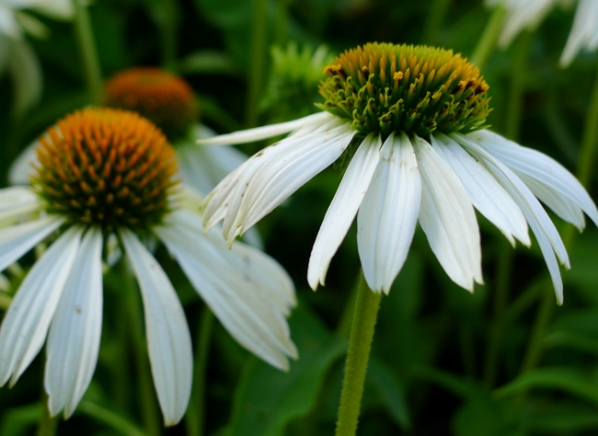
<point x="411" y="121"/>
<point x="16" y="55"/>
<point x="528" y="14"/>
<point x="103" y="172"/>
<point x="292" y="85"/>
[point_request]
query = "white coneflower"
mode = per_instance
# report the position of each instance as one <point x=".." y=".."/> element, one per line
<point x="411" y="120"/>
<point x="101" y="172"/>
<point x="528" y="14"/>
<point x="16" y="55"/>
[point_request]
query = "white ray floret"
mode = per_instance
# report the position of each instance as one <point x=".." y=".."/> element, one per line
<point x="74" y="338"/>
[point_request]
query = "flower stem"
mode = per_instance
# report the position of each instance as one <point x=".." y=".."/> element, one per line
<point x="360" y="341"/>
<point x="89" y="55"/>
<point x="513" y="116"/>
<point x="589" y="141"/>
<point x="195" y="416"/>
<point x="258" y="60"/>
<point x="436" y="14"/>
<point x="488" y="40"/>
<point x="47" y="424"/>
<point x="149" y="412"/>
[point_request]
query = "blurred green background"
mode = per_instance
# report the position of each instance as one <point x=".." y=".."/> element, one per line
<point x="444" y="362"/>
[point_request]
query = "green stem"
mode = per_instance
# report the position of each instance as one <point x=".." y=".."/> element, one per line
<point x="89" y="56"/>
<point x="168" y="28"/>
<point x="47" y="424"/>
<point x="258" y="60"/>
<point x="589" y="141"/>
<point x="360" y="342"/>
<point x="437" y="12"/>
<point x="535" y="346"/>
<point x="489" y="38"/>
<point x="195" y="416"/>
<point x="501" y="297"/>
<point x="149" y="409"/>
<point x="513" y="116"/>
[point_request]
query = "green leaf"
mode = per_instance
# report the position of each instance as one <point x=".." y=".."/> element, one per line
<point x="563" y="417"/>
<point x="266" y="399"/>
<point x="565" y="379"/>
<point x="19" y="420"/>
<point x="392" y="393"/>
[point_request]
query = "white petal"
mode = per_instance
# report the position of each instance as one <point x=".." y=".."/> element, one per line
<point x="548" y="238"/>
<point x="388" y="215"/>
<point x="168" y="338"/>
<point x="278" y="179"/>
<point x="270" y="131"/>
<point x="203" y="167"/>
<point x="74" y="339"/>
<point x="583" y="31"/>
<point x="16" y="196"/>
<point x="26" y="323"/>
<point x="17" y="240"/>
<point x="8" y="23"/>
<point x="57" y="9"/>
<point x="225" y="199"/>
<point x="448" y="219"/>
<point x="343" y="208"/>
<point x="22" y="167"/>
<point x="486" y="194"/>
<point x="239" y="298"/>
<point x="545" y="170"/>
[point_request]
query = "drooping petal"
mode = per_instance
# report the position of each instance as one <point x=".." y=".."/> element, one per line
<point x="388" y="215"/>
<point x="486" y="194"/>
<point x="226" y="201"/>
<point x="17" y="240"/>
<point x="26" y="323"/>
<point x="259" y="133"/>
<point x="583" y="32"/>
<point x="203" y="167"/>
<point x="531" y="164"/>
<point x="548" y="238"/>
<point x="277" y="180"/>
<point x="448" y="219"/>
<point x="239" y="298"/>
<point x="343" y="208"/>
<point x="74" y="339"/>
<point x="168" y="338"/>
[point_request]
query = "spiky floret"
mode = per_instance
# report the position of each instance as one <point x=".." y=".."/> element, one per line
<point x="384" y="87"/>
<point x="106" y="167"/>
<point x="161" y="97"/>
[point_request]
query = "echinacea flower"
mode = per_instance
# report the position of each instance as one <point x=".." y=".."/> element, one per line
<point x="528" y="14"/>
<point x="16" y="55"/>
<point x="411" y="121"/>
<point x="101" y="172"/>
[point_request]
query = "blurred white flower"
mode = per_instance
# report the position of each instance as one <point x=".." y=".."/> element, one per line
<point x="90" y="184"/>
<point x="528" y="14"/>
<point x="418" y="153"/>
<point x="16" y="55"/>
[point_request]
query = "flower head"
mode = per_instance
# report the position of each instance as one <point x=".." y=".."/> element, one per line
<point x="163" y="98"/>
<point x="411" y="120"/>
<point x="104" y="172"/>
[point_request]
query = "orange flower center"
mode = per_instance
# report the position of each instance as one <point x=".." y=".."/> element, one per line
<point x="106" y="167"/>
<point x="163" y="98"/>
